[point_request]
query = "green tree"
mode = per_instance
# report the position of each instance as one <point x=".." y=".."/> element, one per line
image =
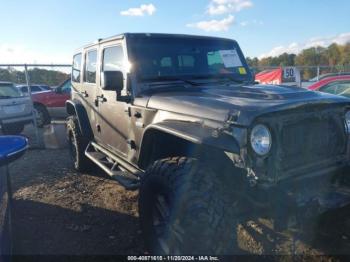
<point x="334" y="55"/>
<point x="36" y="76"/>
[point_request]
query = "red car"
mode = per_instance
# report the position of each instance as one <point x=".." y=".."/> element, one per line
<point x="51" y="104"/>
<point x="337" y="85"/>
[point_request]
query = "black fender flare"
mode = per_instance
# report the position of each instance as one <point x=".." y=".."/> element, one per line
<point x="193" y="132"/>
<point x="74" y="107"/>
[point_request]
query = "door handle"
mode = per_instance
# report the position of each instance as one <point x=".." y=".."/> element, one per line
<point x="85" y="94"/>
<point x="101" y="99"/>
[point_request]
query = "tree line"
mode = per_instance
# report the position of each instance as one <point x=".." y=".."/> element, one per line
<point x="36" y="76"/>
<point x="334" y="58"/>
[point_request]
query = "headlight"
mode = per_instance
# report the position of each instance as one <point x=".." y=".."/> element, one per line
<point x="347" y="122"/>
<point x="260" y="139"/>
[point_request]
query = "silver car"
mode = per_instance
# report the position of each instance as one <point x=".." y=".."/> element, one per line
<point x="15" y="109"/>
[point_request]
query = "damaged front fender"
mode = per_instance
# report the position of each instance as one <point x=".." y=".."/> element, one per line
<point x="198" y="134"/>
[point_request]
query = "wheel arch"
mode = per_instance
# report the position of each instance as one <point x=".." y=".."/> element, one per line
<point x="75" y="108"/>
<point x="39" y="104"/>
<point x="181" y="139"/>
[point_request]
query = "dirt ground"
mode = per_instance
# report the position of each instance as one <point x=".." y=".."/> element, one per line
<point x="60" y="211"/>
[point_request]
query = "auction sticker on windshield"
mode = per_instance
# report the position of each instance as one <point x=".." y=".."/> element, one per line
<point x="242" y="71"/>
<point x="230" y="58"/>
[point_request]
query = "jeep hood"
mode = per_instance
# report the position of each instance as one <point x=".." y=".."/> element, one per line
<point x="247" y="102"/>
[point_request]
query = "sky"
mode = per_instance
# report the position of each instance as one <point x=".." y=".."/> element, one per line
<point x="48" y="31"/>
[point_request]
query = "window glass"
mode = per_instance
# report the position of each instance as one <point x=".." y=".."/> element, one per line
<point x="342" y="86"/>
<point x="186" y="61"/>
<point x="343" y="89"/>
<point x="35" y="89"/>
<point x="66" y="88"/>
<point x="162" y="57"/>
<point x="45" y="87"/>
<point x="76" y="69"/>
<point x="214" y="59"/>
<point x="90" y="67"/>
<point x="337" y="88"/>
<point x="165" y="62"/>
<point x="8" y="91"/>
<point x="329" y="88"/>
<point x="113" y="59"/>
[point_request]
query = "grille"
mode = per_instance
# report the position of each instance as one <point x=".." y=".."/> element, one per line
<point x="311" y="140"/>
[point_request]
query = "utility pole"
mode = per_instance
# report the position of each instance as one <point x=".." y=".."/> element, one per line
<point x="38" y="140"/>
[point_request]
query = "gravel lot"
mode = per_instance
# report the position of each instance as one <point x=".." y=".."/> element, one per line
<point x="59" y="211"/>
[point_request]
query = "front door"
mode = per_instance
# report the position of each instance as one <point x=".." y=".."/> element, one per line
<point x="113" y="118"/>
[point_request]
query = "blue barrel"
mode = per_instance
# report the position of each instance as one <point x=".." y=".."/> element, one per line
<point x="11" y="148"/>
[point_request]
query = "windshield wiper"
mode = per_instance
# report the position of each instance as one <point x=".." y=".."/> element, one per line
<point x="170" y="78"/>
<point x="167" y="88"/>
<point x="5" y="97"/>
<point x="228" y="77"/>
<point x="223" y="77"/>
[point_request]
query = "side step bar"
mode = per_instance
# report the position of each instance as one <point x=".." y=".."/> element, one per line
<point x="119" y="170"/>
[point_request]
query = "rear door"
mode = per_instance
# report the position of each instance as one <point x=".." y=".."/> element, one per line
<point x="84" y="82"/>
<point x="113" y="119"/>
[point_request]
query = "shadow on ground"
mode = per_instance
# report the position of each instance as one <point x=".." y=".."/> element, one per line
<point x="90" y="231"/>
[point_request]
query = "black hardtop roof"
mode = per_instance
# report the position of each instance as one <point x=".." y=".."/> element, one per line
<point x="156" y="35"/>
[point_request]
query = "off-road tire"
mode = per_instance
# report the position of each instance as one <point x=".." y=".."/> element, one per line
<point x="77" y="145"/>
<point x="201" y="206"/>
<point x="42" y="115"/>
<point x="12" y="129"/>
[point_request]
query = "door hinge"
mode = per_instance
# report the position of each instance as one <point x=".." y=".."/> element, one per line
<point x="137" y="115"/>
<point x="128" y="111"/>
<point x="132" y="144"/>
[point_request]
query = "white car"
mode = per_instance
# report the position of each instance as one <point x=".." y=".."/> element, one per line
<point x="16" y="110"/>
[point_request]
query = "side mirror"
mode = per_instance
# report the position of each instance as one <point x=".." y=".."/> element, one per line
<point x="58" y="90"/>
<point x="113" y="81"/>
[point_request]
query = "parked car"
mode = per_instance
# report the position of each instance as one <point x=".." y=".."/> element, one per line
<point x="51" y="104"/>
<point x="312" y="81"/>
<point x="33" y="88"/>
<point x="336" y="85"/>
<point x="11" y="148"/>
<point x="323" y="76"/>
<point x="15" y="109"/>
<point x="179" y="118"/>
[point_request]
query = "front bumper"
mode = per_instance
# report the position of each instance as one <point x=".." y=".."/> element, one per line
<point x="307" y="212"/>
<point x="301" y="200"/>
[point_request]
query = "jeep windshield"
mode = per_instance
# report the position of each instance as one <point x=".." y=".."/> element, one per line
<point x="187" y="58"/>
<point x="9" y="91"/>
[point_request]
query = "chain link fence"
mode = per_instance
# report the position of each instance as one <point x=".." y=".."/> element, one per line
<point x="310" y="73"/>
